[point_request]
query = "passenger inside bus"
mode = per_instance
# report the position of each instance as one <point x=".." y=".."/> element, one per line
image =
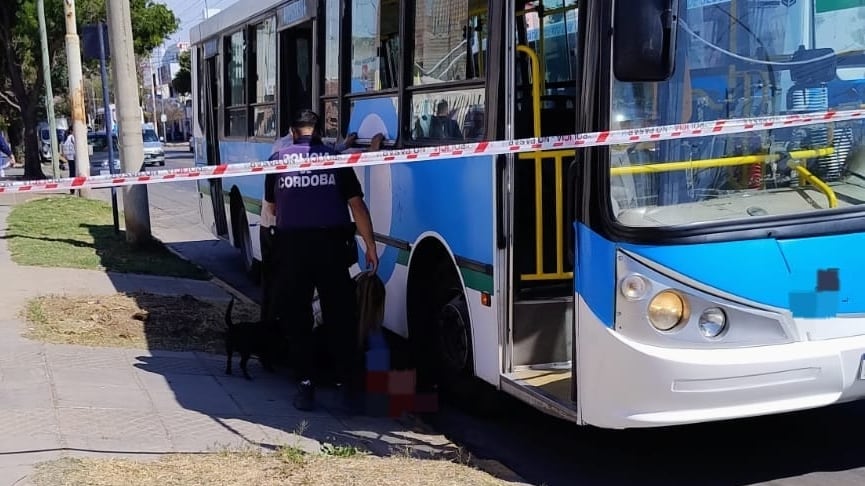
<point x="442" y="124"/>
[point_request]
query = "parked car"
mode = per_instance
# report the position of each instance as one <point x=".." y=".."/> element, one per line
<point x="154" y="149"/>
<point x="99" y="153"/>
<point x="44" y="136"/>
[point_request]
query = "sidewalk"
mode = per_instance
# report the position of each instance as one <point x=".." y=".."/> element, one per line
<point x="64" y="400"/>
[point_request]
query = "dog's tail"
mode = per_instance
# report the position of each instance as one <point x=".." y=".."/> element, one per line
<point x="228" y="322"/>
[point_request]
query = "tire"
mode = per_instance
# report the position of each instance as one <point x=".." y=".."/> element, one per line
<point x="444" y="346"/>
<point x="243" y="239"/>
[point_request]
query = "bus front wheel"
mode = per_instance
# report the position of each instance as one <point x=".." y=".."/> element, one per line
<point x="442" y="342"/>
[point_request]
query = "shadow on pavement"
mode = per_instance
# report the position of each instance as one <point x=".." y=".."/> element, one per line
<point x="200" y="406"/>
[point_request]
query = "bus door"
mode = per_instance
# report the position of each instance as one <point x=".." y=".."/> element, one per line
<point x="538" y="365"/>
<point x="211" y="140"/>
<point x="296" y="72"/>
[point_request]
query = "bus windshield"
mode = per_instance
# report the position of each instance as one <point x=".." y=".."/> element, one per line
<point x="738" y="59"/>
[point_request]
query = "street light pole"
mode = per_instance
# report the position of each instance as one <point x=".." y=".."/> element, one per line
<point x="153" y="94"/>
<point x="136" y="209"/>
<point x="76" y="93"/>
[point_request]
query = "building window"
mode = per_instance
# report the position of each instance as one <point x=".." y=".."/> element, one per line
<point x="374" y="45"/>
<point x="450" y="41"/>
<point x="235" y="93"/>
<point x="264" y="55"/>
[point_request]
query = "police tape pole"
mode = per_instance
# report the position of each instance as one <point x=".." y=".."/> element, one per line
<point x="361" y="159"/>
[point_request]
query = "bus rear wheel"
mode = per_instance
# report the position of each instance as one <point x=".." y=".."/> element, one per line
<point x="242" y="238"/>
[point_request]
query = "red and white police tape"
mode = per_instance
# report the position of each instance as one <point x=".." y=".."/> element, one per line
<point x="421" y="154"/>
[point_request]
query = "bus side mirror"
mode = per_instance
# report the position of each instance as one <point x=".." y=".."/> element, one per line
<point x="644" y="39"/>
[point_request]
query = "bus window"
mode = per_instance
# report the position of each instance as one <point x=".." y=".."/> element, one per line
<point x="738" y="60"/>
<point x="235" y="89"/>
<point x="331" y="86"/>
<point x="549" y="29"/>
<point x="454" y="116"/>
<point x="264" y="56"/>
<point x="450" y="46"/>
<point x="450" y="41"/>
<point x="374" y="45"/>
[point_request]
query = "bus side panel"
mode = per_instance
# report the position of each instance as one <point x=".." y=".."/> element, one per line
<point x="251" y="187"/>
<point x="453" y="201"/>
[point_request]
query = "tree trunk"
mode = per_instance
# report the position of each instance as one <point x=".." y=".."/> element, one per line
<point x="32" y="161"/>
<point x="32" y="164"/>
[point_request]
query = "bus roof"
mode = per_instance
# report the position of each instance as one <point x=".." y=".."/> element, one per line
<point x="236" y="14"/>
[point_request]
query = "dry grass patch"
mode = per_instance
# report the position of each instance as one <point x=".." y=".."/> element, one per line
<point x="234" y="468"/>
<point x="135" y="320"/>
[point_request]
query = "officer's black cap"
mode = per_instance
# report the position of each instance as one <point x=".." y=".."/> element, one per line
<point x="305" y="118"/>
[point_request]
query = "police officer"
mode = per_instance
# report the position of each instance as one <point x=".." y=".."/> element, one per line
<point x="312" y="250"/>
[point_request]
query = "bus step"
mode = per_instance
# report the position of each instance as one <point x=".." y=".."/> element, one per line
<point x="548" y="390"/>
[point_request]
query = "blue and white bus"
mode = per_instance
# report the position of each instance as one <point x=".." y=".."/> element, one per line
<point x="645" y="285"/>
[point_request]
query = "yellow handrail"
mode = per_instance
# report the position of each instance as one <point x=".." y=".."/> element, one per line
<point x="536" y="87"/>
<point x="717" y="162"/>
<point x="821" y="186"/>
<point x="559" y="274"/>
<point x="536" y="126"/>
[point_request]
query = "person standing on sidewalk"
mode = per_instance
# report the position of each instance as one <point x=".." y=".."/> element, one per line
<point x="7" y="157"/>
<point x="313" y="246"/>
<point x="267" y="225"/>
<point x="69" y="154"/>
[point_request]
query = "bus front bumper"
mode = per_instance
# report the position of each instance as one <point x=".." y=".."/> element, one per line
<point x="625" y="384"/>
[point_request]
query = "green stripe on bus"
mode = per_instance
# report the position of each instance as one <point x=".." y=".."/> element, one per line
<point x="252" y="205"/>
<point x="832" y="5"/>
<point x="473" y="279"/>
<point x="476" y="280"/>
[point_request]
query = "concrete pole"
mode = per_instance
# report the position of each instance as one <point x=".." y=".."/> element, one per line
<point x="76" y="95"/>
<point x="49" y="93"/>
<point x="136" y="212"/>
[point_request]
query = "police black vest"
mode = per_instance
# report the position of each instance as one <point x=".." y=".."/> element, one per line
<point x="309" y="199"/>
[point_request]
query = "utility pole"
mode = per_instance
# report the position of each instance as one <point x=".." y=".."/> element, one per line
<point x="49" y="93"/>
<point x="76" y="94"/>
<point x="136" y="211"/>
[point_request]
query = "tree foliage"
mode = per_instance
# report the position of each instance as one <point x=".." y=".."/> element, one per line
<point x="182" y="82"/>
<point x="21" y="75"/>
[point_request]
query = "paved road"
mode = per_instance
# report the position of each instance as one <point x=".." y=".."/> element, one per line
<point x="812" y="448"/>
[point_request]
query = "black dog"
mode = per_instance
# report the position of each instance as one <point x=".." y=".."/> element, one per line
<point x="248" y="338"/>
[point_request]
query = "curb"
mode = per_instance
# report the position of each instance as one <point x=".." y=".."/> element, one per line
<point x="213" y="278"/>
<point x="489" y="466"/>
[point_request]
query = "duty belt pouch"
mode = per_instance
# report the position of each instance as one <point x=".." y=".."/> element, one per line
<point x="350" y="250"/>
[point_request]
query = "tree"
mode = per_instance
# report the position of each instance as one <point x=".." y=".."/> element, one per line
<point x="182" y="82"/>
<point x="20" y="57"/>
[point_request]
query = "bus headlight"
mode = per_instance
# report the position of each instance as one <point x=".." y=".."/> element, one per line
<point x="667" y="309"/>
<point x="634" y="287"/>
<point x="713" y="322"/>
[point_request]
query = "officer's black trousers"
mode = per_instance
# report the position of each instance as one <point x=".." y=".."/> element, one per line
<point x="307" y="260"/>
<point x="267" y="272"/>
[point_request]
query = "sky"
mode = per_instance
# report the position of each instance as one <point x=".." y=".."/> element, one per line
<point x="190" y="12"/>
